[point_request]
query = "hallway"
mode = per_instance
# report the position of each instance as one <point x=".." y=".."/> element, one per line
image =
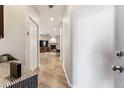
<point x="51" y="74"/>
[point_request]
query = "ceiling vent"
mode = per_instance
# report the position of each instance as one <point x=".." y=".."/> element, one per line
<point x="51" y="6"/>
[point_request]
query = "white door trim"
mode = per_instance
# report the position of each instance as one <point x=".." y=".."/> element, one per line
<point x="30" y="18"/>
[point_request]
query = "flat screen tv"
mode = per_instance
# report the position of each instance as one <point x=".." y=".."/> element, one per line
<point x="43" y="43"/>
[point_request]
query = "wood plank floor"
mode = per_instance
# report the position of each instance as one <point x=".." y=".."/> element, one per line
<point x="51" y="74"/>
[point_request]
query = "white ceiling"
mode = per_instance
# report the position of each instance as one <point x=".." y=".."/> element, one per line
<point x="48" y="26"/>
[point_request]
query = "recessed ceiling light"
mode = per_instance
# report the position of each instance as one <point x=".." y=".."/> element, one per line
<point x="55" y="29"/>
<point x="51" y="18"/>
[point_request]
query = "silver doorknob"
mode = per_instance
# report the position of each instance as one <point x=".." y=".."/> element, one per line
<point x="117" y="67"/>
<point x="119" y="53"/>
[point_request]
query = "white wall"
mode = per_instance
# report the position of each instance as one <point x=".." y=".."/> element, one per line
<point x="44" y="37"/>
<point x="92" y="42"/>
<point x="14" y="28"/>
<point x="65" y="44"/>
<point x="58" y="42"/>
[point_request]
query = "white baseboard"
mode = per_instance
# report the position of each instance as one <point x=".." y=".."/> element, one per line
<point x="70" y="85"/>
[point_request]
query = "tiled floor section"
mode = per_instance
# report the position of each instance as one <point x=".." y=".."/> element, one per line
<point x="51" y="74"/>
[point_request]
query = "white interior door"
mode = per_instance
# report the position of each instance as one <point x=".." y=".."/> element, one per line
<point x="92" y="46"/>
<point x="33" y="44"/>
<point x="118" y="67"/>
